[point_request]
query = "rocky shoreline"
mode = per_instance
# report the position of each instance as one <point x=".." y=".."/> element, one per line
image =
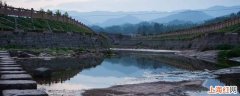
<point x="149" y="89"/>
<point x="209" y="56"/>
<point x="164" y="88"/>
<point x="48" y="54"/>
<point x="179" y="88"/>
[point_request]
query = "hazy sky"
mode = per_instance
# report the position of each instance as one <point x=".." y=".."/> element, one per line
<point x="121" y="5"/>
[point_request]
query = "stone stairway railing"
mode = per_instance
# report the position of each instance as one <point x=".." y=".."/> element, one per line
<point x="14" y="81"/>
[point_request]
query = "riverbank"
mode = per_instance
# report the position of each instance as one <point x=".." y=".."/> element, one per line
<point x="147" y="89"/>
<point x="142" y="89"/>
<point x="179" y="88"/>
<point x="55" y="53"/>
<point x="209" y="56"/>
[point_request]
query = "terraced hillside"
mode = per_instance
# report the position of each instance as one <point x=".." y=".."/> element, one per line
<point x="10" y="23"/>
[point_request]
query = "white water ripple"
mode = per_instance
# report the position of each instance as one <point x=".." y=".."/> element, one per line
<point x="174" y="76"/>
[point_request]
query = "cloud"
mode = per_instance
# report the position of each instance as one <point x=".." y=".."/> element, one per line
<point x="143" y="5"/>
<point x="122" y="5"/>
<point x="37" y="4"/>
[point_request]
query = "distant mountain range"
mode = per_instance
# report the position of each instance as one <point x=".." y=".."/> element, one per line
<point x="187" y="16"/>
<point x="99" y="17"/>
<point x="217" y="11"/>
<point x="121" y="21"/>
<point x="104" y="18"/>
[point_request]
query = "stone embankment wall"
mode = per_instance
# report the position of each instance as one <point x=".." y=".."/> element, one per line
<point x="49" y="40"/>
<point x="207" y="41"/>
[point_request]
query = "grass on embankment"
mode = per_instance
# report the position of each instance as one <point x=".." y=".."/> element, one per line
<point x="234" y="28"/>
<point x="39" y="25"/>
<point x="227" y="53"/>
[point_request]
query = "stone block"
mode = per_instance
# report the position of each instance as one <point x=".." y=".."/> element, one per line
<point x="17" y="84"/>
<point x="13" y="72"/>
<point x="24" y="93"/>
<point x="11" y="65"/>
<point x="1" y="63"/>
<point x="10" y="68"/>
<point x="16" y="77"/>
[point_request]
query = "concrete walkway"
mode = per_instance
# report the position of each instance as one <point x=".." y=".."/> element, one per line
<point x="14" y="81"/>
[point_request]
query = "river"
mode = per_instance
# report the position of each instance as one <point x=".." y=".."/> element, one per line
<point x="71" y="76"/>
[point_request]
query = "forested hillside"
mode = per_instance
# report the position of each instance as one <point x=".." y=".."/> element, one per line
<point x="151" y="28"/>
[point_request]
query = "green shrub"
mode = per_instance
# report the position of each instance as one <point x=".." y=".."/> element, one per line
<point x="224" y="47"/>
<point x="81" y="50"/>
<point x="226" y="54"/>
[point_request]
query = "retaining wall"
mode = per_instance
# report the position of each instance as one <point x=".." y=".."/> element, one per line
<point x="49" y="40"/>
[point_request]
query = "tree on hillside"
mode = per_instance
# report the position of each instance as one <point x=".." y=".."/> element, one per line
<point x="238" y="13"/>
<point x="49" y="12"/>
<point x="1" y="3"/>
<point x="66" y="14"/>
<point x="142" y="30"/>
<point x="5" y="3"/>
<point x="58" y="13"/>
<point x="233" y="15"/>
<point x="158" y="28"/>
<point x="41" y="10"/>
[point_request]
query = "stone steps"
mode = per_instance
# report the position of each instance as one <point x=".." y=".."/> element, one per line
<point x="14" y="81"/>
<point x="11" y="69"/>
<point x="24" y="93"/>
<point x="10" y="65"/>
<point x="13" y="72"/>
<point x="7" y="63"/>
<point x="17" y="84"/>
<point x="16" y="77"/>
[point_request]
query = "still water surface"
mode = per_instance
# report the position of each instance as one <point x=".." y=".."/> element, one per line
<point x="74" y="75"/>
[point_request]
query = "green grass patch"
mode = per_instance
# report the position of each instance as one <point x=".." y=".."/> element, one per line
<point x="234" y="28"/>
<point x="40" y="25"/>
<point x="224" y="47"/>
<point x="226" y="54"/>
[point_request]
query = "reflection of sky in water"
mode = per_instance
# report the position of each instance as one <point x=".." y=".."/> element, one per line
<point x="111" y="72"/>
<point x="130" y="70"/>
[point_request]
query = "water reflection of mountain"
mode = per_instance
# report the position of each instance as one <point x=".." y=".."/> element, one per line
<point x="133" y="61"/>
<point x="130" y="66"/>
<point x="174" y="60"/>
<point x="62" y="68"/>
<point x="140" y="62"/>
